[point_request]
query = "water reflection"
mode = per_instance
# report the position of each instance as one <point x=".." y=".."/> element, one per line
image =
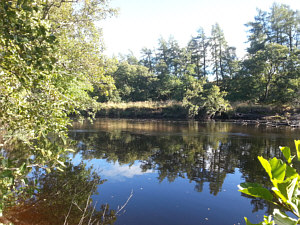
<point x="163" y="161"/>
<point x="118" y="172"/>
<point x="203" y="153"/>
<point x="200" y="152"/>
<point x="62" y="198"/>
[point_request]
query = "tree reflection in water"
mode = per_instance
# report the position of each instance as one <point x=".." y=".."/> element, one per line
<point x="200" y="152"/>
<point x="63" y="198"/>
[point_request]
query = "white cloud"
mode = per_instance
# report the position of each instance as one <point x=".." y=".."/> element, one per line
<point x="118" y="171"/>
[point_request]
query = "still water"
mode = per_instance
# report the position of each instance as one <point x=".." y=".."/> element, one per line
<point x="140" y="172"/>
<point x="166" y="172"/>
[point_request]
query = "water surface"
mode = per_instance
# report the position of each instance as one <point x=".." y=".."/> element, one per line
<point x="179" y="172"/>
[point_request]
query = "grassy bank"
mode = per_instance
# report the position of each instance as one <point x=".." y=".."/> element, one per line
<point x="148" y="109"/>
<point x="175" y="110"/>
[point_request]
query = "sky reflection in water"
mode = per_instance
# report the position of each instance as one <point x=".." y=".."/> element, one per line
<point x="179" y="172"/>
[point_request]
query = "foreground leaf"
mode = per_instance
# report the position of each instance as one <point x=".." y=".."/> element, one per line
<point x="282" y="219"/>
<point x="290" y="172"/>
<point x="285" y="189"/>
<point x="249" y="223"/>
<point x="286" y="151"/>
<point x="297" y="144"/>
<point x="278" y="169"/>
<point x="256" y="190"/>
<point x="266" y="165"/>
<point x="267" y="221"/>
<point x="275" y="168"/>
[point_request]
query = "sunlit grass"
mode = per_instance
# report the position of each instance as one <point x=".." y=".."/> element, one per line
<point x="147" y="109"/>
<point x="146" y="104"/>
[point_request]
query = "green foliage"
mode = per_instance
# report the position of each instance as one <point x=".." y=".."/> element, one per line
<point x="267" y="221"/>
<point x="297" y="143"/>
<point x="39" y="88"/>
<point x="269" y="68"/>
<point x="133" y="82"/>
<point x="223" y="57"/>
<point x="200" y="99"/>
<point x="285" y="191"/>
<point x="80" y="46"/>
<point x="33" y="105"/>
<point x="256" y="190"/>
<point x="198" y="51"/>
<point x="270" y="71"/>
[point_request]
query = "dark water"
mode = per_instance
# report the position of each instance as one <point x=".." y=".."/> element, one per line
<point x="179" y="172"/>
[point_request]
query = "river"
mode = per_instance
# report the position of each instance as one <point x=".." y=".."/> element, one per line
<point x="179" y="172"/>
<point x="162" y="172"/>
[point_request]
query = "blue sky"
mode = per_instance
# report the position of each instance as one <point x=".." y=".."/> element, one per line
<point x="141" y="23"/>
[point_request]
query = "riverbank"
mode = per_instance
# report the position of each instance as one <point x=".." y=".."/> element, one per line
<point x="239" y="113"/>
<point x="264" y="114"/>
<point x="143" y="110"/>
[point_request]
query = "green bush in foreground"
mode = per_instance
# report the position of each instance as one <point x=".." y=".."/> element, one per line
<point x="285" y="193"/>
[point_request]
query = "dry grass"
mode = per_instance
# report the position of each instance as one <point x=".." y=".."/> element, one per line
<point x="148" y="109"/>
<point x="147" y="104"/>
<point x="246" y="107"/>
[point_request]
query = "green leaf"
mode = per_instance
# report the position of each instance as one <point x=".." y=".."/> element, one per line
<point x="278" y="168"/>
<point x="249" y="223"/>
<point x="51" y="39"/>
<point x="275" y="168"/>
<point x="256" y="190"/>
<point x="290" y="172"/>
<point x="282" y="219"/>
<point x="5" y="162"/>
<point x="287" y="153"/>
<point x="297" y="144"/>
<point x="287" y="188"/>
<point x="266" y="165"/>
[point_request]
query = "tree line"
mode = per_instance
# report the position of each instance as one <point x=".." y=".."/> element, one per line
<point x="206" y="74"/>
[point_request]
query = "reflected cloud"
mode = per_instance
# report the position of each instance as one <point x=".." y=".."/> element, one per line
<point x="117" y="171"/>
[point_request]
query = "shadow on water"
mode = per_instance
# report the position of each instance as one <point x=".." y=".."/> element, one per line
<point x="62" y="198"/>
<point x="31" y="194"/>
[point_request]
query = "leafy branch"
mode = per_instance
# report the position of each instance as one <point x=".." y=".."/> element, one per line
<point x="285" y="193"/>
